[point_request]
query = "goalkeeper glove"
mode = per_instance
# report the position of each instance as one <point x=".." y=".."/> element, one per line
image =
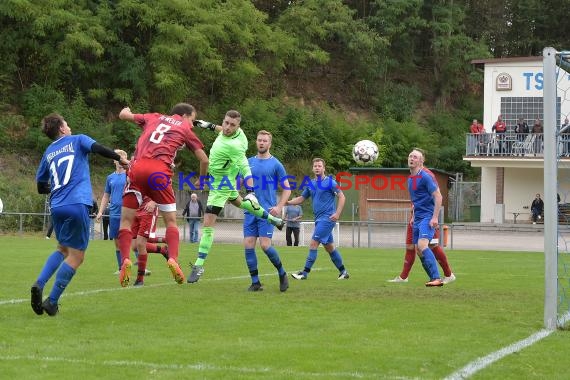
<point x="204" y="124"/>
<point x="250" y="196"/>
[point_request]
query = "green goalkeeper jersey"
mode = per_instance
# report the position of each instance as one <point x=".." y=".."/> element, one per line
<point x="227" y="157"/>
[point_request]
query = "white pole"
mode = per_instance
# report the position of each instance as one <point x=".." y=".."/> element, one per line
<point x="550" y="191"/>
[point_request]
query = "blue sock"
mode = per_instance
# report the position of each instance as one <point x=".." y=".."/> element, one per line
<point x="62" y="278"/>
<point x="310" y="260"/>
<point x="429" y="264"/>
<point x="52" y="263"/>
<point x="251" y="260"/>
<point x="118" y="253"/>
<point x="273" y="256"/>
<point x="336" y="258"/>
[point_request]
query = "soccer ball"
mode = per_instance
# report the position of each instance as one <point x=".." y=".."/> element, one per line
<point x="365" y="152"/>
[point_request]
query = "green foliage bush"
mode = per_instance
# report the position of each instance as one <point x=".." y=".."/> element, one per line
<point x="397" y="101"/>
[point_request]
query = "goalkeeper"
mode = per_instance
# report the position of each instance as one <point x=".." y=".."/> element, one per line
<point x="227" y="160"/>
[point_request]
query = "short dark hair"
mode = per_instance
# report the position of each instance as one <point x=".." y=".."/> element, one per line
<point x="51" y="124"/>
<point x="182" y="109"/>
<point x="233" y="114"/>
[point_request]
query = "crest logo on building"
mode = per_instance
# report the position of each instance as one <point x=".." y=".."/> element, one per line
<point x="504" y="82"/>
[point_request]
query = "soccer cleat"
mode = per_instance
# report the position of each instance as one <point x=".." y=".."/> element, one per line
<point x="117" y="272"/>
<point x="50" y="308"/>
<point x="283" y="282"/>
<point x="125" y="273"/>
<point x="147" y="272"/>
<point x="255" y="287"/>
<point x="197" y="272"/>
<point x="398" y="279"/>
<point x="176" y="271"/>
<point x="300" y="275"/>
<point x="436" y="282"/>
<point x="447" y="280"/>
<point x="37" y="299"/>
<point x="343" y="275"/>
<point x="138" y="283"/>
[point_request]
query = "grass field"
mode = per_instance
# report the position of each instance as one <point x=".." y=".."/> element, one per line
<point x="320" y="328"/>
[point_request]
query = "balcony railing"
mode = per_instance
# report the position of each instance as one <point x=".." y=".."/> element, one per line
<point x="512" y="144"/>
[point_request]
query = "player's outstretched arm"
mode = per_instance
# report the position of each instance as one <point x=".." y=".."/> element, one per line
<point x="296" y="201"/>
<point x="126" y="114"/>
<point x="109" y="153"/>
<point x="204" y="161"/>
<point x="207" y="125"/>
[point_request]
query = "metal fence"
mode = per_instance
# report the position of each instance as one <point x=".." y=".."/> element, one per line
<point x="230" y="230"/>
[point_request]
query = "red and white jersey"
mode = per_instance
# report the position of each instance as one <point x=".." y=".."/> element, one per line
<point x="163" y="136"/>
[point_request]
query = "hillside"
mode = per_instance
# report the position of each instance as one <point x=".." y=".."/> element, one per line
<point x="18" y="186"/>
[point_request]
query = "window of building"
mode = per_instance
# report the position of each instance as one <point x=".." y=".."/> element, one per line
<point x="527" y="107"/>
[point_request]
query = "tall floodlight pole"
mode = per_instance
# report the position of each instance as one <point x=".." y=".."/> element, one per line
<point x="550" y="191"/>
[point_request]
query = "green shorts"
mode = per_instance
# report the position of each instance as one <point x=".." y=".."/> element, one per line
<point x="220" y="197"/>
<point x="223" y="188"/>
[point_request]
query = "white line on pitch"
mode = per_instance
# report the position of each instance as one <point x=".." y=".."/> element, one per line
<point x="201" y="367"/>
<point x="95" y="291"/>
<point x="481" y="363"/>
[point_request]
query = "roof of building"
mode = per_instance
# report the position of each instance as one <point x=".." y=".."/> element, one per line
<point x="506" y="60"/>
<point x="480" y="63"/>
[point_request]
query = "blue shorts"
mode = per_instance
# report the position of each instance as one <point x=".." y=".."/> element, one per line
<point x="71" y="225"/>
<point x="114" y="224"/>
<point x="323" y="231"/>
<point x="256" y="227"/>
<point x="422" y="230"/>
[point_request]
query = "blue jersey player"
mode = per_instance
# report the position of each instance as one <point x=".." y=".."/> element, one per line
<point x="324" y="191"/>
<point x="113" y="201"/>
<point x="268" y="173"/>
<point x="64" y="174"/>
<point x="426" y="198"/>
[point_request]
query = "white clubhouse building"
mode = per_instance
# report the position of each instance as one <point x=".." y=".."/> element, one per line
<point x="512" y="166"/>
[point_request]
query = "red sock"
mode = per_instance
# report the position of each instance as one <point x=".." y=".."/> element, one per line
<point x="152" y="248"/>
<point x="141" y="267"/>
<point x="173" y="241"/>
<point x="442" y="260"/>
<point x="125" y="238"/>
<point x="409" y="259"/>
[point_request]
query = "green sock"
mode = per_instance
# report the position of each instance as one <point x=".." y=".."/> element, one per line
<point x="257" y="210"/>
<point x="205" y="245"/>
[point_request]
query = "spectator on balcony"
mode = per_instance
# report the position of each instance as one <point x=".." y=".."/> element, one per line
<point x="537" y="130"/>
<point x="500" y="128"/>
<point x="521" y="129"/>
<point x="477" y="135"/>
<point x="477" y="128"/>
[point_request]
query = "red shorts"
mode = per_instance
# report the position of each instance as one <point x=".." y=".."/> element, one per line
<point x="409" y="233"/>
<point x="151" y="178"/>
<point x="145" y="223"/>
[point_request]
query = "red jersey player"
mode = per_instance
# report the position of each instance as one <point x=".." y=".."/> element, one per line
<point x="144" y="237"/>
<point x="410" y="256"/>
<point x="150" y="175"/>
